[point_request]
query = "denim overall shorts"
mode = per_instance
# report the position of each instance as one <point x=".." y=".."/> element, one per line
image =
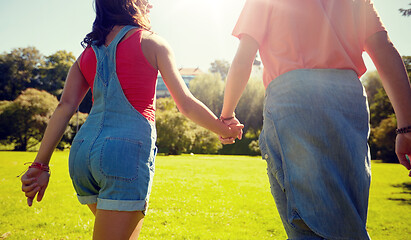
<point x="111" y="159"/>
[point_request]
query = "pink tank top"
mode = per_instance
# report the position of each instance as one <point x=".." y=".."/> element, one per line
<point x="137" y="77"/>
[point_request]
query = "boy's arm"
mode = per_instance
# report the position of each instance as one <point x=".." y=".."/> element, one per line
<point x="395" y="81"/>
<point x="239" y="74"/>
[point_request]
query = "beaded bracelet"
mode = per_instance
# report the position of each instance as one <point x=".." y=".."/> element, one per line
<point x="403" y="130"/>
<point x="40" y="166"/>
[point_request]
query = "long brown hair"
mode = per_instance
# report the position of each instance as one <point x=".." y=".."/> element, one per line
<point x="116" y="12"/>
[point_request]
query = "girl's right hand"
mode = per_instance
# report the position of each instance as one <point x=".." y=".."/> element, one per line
<point x="34" y="182"/>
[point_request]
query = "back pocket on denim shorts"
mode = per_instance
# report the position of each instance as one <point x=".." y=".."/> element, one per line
<point x="119" y="158"/>
<point x="75" y="146"/>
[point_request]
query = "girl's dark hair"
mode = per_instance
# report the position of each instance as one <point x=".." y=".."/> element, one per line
<point x="116" y="12"/>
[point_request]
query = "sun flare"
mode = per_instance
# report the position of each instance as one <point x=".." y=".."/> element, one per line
<point x="206" y="6"/>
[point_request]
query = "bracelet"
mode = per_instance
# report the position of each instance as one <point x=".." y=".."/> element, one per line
<point x="403" y="130"/>
<point x="37" y="165"/>
<point x="226" y="119"/>
<point x="40" y="166"/>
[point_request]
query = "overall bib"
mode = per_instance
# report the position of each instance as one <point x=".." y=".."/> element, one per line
<point x="111" y="160"/>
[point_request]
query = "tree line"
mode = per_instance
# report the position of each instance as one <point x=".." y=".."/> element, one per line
<point x="31" y="84"/>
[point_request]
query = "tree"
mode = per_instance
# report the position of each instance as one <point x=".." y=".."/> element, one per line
<point x="54" y="72"/>
<point x="209" y="89"/>
<point x="407" y="63"/>
<point x="74" y="125"/>
<point x="254" y="147"/>
<point x="382" y="140"/>
<point x="372" y="84"/>
<point x="380" y="108"/>
<point x="250" y="107"/>
<point x="405" y="12"/>
<point x="24" y="68"/>
<point x="221" y="67"/>
<point x="205" y="141"/>
<point x="26" y="118"/>
<point x="382" y="117"/>
<point x="172" y="129"/>
<point x="176" y="134"/>
<point x="19" y="70"/>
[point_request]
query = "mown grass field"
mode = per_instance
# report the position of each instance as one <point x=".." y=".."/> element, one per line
<point x="193" y="197"/>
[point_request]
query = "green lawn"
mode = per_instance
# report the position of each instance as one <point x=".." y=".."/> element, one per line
<point x="193" y="197"/>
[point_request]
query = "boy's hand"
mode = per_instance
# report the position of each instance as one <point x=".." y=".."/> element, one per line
<point x="403" y="149"/>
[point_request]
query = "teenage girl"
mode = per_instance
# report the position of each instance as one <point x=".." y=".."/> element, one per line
<point x="111" y="160"/>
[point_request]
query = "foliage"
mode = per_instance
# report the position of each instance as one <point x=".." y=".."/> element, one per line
<point x="74" y="125"/>
<point x="205" y="141"/>
<point x="380" y="108"/>
<point x="221" y="67"/>
<point x="3" y="105"/>
<point x="176" y="134"/>
<point x="254" y="147"/>
<point x="54" y="72"/>
<point x="173" y="135"/>
<point x="193" y="197"/>
<point x="209" y="89"/>
<point x="26" y="118"/>
<point x="24" y="68"/>
<point x="19" y="70"/>
<point x="372" y="84"/>
<point x="405" y="12"/>
<point x="382" y="118"/>
<point x="382" y="139"/>
<point x="250" y="107"/>
<point x="407" y="63"/>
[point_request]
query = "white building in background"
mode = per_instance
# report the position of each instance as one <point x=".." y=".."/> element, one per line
<point x="187" y="74"/>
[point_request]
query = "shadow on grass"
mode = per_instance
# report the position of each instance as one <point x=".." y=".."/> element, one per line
<point x="406" y="187"/>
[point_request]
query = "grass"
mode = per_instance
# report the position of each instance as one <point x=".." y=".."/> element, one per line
<point x="193" y="197"/>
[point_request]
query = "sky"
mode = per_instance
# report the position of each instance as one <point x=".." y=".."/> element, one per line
<point x="199" y="31"/>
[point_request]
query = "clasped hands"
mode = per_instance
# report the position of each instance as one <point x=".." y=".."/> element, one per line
<point x="236" y="126"/>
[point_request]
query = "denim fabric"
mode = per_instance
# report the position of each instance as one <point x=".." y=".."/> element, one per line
<point x="111" y="160"/>
<point x="314" y="140"/>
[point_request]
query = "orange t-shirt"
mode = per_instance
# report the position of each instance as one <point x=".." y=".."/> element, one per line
<point x="295" y="34"/>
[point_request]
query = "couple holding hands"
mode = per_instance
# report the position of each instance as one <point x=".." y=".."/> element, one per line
<point x="316" y="120"/>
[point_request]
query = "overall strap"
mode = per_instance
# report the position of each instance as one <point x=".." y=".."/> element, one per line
<point x="121" y="34"/>
<point x="106" y="56"/>
<point x="102" y="51"/>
